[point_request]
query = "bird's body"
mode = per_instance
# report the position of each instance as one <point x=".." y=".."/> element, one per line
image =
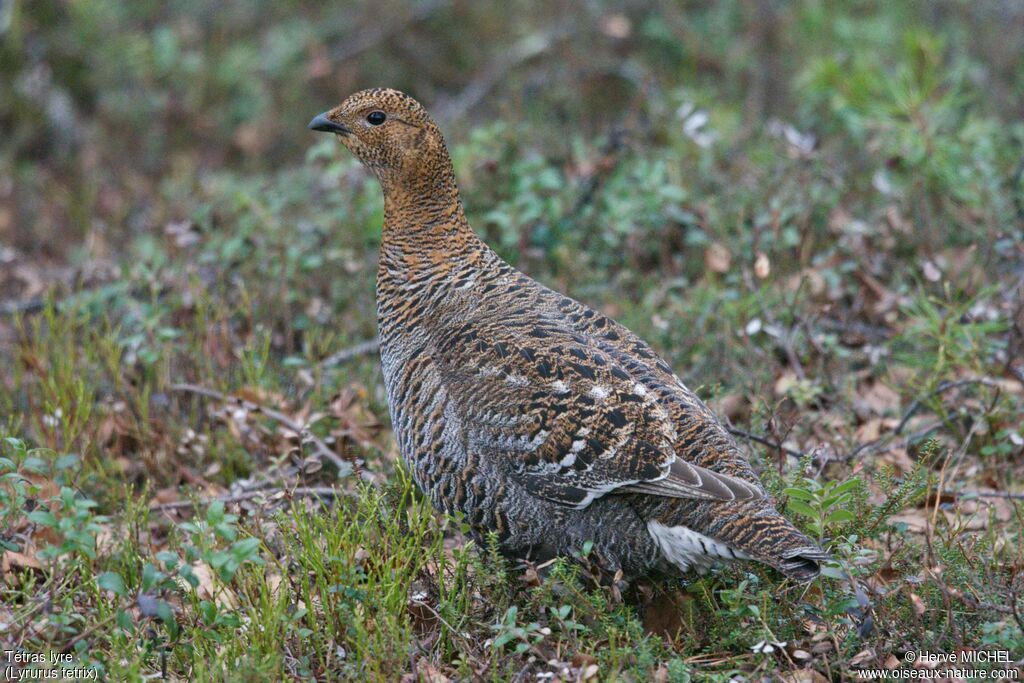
<point x="532" y="415"/>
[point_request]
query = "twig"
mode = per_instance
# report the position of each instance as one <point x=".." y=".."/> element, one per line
<point x="941" y="389"/>
<point x="914" y="407"/>
<point x="992" y="494"/>
<point x="966" y="599"/>
<point x="368" y="38"/>
<point x="323" y="451"/>
<point x="523" y="51"/>
<point x="300" y="492"/>
<point x="361" y="349"/>
<point x="873" y="333"/>
<point x="106" y="291"/>
<point x="612" y="150"/>
<point x="878" y="443"/>
<point x="16" y="307"/>
<point x="766" y="442"/>
<point x="96" y="626"/>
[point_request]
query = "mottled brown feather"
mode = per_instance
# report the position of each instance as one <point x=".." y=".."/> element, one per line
<point x="533" y="415"/>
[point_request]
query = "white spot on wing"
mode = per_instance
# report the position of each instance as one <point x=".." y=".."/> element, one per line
<point x="640" y="390"/>
<point x="598" y="491"/>
<point x="517" y="380"/>
<point x="539" y="439"/>
<point x="599" y="392"/>
<point x="560" y="387"/>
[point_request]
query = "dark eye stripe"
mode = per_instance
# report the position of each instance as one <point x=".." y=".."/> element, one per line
<point x="375" y="118"/>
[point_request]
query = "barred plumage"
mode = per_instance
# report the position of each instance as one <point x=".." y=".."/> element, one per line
<point x="535" y="416"/>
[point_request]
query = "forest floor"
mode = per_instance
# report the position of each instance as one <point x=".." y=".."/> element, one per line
<point x="197" y="475"/>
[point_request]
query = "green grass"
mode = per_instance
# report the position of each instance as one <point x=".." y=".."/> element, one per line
<point x="856" y="302"/>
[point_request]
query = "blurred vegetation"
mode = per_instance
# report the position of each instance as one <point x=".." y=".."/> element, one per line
<point x="813" y="210"/>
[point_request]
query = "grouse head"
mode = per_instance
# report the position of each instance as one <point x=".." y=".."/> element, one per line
<point x="391" y="133"/>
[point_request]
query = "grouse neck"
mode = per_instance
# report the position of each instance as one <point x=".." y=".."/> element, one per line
<point x="425" y="214"/>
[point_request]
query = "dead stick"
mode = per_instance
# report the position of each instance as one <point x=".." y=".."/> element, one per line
<point x="765" y="442"/>
<point x="300" y="492"/>
<point x="942" y="388"/>
<point x="361" y="349"/>
<point x="323" y="451"/>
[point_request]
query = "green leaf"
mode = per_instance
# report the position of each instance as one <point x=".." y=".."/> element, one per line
<point x="111" y="581"/>
<point x="802" y="508"/>
<point x="43" y="517"/>
<point x="799" y="493"/>
<point x="245" y="549"/>
<point x="847" y="485"/>
<point x="834" y="573"/>
<point x="839" y="516"/>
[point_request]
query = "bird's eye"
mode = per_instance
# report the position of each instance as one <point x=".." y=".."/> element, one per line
<point x="375" y="118"/>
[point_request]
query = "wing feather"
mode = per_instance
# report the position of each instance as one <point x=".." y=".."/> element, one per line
<point x="569" y="421"/>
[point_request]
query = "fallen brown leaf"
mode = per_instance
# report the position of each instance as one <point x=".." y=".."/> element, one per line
<point x="717" y="258"/>
<point x="12" y="563"/>
<point x="803" y="676"/>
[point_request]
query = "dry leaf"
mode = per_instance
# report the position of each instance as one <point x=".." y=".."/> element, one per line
<point x="12" y="562"/>
<point x="869" y="431"/>
<point x="878" y="399"/>
<point x="803" y="676"/>
<point x="165" y="495"/>
<point x="917" y="520"/>
<point x="666" y="614"/>
<point x="786" y="381"/>
<point x="206" y="589"/>
<point x="357" y="422"/>
<point x="898" y="458"/>
<point x="917" y="603"/>
<point x="582" y="659"/>
<point x="736" y="407"/>
<point x="762" y="267"/>
<point x="717" y="258"/>
<point x="616" y="26"/>
<point x="428" y="673"/>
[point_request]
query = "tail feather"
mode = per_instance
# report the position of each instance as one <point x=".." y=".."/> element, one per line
<point x="752" y="531"/>
<point x="804" y="564"/>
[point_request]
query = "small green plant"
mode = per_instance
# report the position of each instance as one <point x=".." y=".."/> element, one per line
<point x="823" y="504"/>
<point x="15" y="462"/>
<point x="208" y="537"/>
<point x="508" y="631"/>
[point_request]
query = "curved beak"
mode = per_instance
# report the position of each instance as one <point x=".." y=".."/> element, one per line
<point x="323" y="124"/>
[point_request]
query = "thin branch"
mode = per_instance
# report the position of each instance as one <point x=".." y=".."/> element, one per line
<point x="8" y="308"/>
<point x="345" y="355"/>
<point x="942" y="388"/>
<point x="370" y="37"/>
<point x="106" y="291"/>
<point x="872" y="446"/>
<point x="765" y="442"/>
<point x="992" y="494"/>
<point x="96" y="626"/>
<point x="323" y="451"/>
<point x="494" y="73"/>
<point x="300" y="492"/>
